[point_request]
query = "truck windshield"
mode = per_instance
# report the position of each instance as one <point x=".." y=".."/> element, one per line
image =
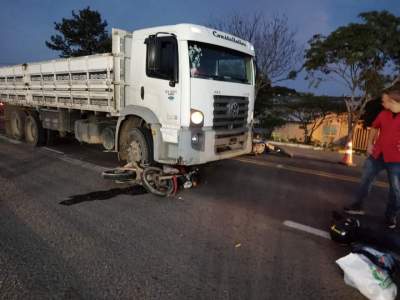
<point x="219" y="63"/>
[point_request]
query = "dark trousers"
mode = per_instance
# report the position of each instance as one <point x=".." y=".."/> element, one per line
<point x="371" y="169"/>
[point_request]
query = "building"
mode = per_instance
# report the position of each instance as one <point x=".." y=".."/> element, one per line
<point x="332" y="132"/>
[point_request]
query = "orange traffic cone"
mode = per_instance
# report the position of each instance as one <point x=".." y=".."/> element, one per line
<point x="348" y="155"/>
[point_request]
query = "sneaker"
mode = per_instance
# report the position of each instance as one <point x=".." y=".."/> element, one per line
<point x="354" y="209"/>
<point x="391" y="222"/>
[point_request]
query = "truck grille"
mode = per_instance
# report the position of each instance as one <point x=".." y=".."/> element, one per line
<point x="230" y="122"/>
<point x="230" y="112"/>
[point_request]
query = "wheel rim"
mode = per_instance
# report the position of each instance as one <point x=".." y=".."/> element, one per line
<point x="135" y="148"/>
<point x="135" y="152"/>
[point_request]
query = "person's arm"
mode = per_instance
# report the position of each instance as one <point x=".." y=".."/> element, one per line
<point x="374" y="131"/>
<point x="373" y="135"/>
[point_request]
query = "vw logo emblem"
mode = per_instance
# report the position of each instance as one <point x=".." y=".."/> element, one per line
<point x="233" y="109"/>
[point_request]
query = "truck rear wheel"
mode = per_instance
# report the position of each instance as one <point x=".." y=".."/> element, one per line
<point x="34" y="133"/>
<point x="139" y="148"/>
<point x="17" y="124"/>
<point x="7" y="120"/>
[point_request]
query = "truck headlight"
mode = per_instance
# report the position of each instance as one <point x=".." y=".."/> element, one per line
<point x="196" y="118"/>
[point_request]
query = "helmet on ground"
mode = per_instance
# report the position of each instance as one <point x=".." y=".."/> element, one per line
<point x="344" y="231"/>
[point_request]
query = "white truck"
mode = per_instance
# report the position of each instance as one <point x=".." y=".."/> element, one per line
<point x="180" y="94"/>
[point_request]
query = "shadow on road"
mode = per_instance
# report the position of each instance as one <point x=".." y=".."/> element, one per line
<point x="103" y="195"/>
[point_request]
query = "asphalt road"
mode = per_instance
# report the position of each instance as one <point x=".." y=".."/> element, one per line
<point x="65" y="233"/>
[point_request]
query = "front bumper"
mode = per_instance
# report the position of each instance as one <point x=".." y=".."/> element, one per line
<point x="210" y="146"/>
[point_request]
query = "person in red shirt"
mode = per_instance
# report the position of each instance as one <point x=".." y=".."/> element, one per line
<point x="384" y="153"/>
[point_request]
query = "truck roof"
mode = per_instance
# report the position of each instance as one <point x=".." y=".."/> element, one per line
<point x="193" y="32"/>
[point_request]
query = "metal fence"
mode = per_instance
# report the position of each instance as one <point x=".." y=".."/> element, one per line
<point x="360" y="138"/>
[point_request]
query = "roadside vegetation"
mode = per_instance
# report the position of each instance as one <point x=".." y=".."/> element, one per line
<point x="363" y="56"/>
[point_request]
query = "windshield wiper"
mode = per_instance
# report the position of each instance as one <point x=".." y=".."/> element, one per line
<point x="218" y="77"/>
<point x="239" y="79"/>
<point x="229" y="78"/>
<point x="203" y="75"/>
<point x="221" y="77"/>
<point x="210" y="76"/>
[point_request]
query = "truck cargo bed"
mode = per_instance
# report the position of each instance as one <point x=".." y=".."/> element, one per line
<point x="84" y="83"/>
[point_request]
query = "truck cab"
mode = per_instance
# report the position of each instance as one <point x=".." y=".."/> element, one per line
<point x="194" y="86"/>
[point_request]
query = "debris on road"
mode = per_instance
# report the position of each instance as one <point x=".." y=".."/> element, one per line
<point x="261" y="146"/>
<point x="161" y="181"/>
<point x="373" y="258"/>
<point x="371" y="280"/>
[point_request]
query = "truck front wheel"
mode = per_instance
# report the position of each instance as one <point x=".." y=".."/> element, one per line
<point x="139" y="146"/>
<point x="34" y="133"/>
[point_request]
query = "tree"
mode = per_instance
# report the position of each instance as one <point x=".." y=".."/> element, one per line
<point x="268" y="109"/>
<point x="281" y="105"/>
<point x="311" y="111"/>
<point x="357" y="55"/>
<point x="277" y="52"/>
<point x="386" y="30"/>
<point x="84" y="34"/>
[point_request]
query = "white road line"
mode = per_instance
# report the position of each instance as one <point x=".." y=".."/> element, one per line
<point x="2" y="137"/>
<point x="52" y="150"/>
<point x="308" y="229"/>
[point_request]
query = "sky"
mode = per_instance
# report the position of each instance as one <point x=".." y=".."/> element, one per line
<point x="26" y="25"/>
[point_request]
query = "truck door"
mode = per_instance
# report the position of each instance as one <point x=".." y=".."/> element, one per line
<point x="161" y="87"/>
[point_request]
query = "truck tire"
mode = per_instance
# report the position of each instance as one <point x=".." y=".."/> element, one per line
<point x="123" y="141"/>
<point x="139" y="148"/>
<point x="17" y="124"/>
<point x="7" y="121"/>
<point x="35" y="135"/>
